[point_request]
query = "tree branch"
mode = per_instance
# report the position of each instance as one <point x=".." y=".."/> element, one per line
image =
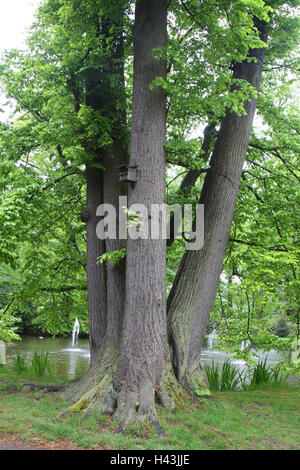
<point x="270" y="248"/>
<point x="63" y="288"/>
<point x="57" y="180"/>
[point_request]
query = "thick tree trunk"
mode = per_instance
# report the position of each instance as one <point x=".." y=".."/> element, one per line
<point x="192" y="296"/>
<point x="144" y="342"/>
<point x="105" y="285"/>
<point x="95" y="271"/>
<point x="104" y="376"/>
<point x="98" y="388"/>
<point x="144" y="329"/>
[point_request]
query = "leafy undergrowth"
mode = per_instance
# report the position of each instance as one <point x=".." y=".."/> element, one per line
<point x="264" y="419"/>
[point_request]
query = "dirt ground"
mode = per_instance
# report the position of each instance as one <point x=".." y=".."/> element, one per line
<point x="15" y="443"/>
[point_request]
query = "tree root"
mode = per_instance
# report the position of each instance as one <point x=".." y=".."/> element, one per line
<point x="106" y="365"/>
<point x="171" y="394"/>
<point x="101" y="397"/>
<point x="195" y="380"/>
<point x="131" y="406"/>
<point x="45" y="388"/>
<point x="137" y="407"/>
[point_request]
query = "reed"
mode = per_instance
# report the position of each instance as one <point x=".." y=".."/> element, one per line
<point x="225" y="378"/>
<point x="229" y="378"/>
<point x="19" y="364"/>
<point x="262" y="376"/>
<point x="40" y="365"/>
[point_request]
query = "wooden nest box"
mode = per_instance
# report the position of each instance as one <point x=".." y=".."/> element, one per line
<point x="128" y="173"/>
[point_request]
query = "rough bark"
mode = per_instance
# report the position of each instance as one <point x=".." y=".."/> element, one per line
<point x="95" y="272"/>
<point x="105" y="284"/>
<point x="98" y="388"/>
<point x="96" y="284"/>
<point x="144" y="329"/>
<point x="192" y="296"/>
<point x="144" y="341"/>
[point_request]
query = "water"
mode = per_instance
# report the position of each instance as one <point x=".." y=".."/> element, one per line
<point x="71" y="359"/>
<point x="67" y="360"/>
<point x="210" y="340"/>
<point x="75" y="332"/>
<point x="219" y="357"/>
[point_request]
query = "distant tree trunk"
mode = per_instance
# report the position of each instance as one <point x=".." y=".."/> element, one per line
<point x="144" y="330"/>
<point x="192" y="296"/>
<point x="229" y="293"/>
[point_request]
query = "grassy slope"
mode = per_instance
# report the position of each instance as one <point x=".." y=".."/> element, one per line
<point x="264" y="419"/>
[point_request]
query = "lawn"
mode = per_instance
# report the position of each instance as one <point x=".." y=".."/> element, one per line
<point x="262" y="419"/>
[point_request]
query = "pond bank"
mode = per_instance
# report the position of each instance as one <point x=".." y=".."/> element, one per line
<point x="70" y="360"/>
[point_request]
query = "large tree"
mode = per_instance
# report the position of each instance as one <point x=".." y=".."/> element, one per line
<point x="74" y="84"/>
<point x="192" y="296"/>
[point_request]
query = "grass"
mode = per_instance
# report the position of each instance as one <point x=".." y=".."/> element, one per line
<point x="262" y="419"/>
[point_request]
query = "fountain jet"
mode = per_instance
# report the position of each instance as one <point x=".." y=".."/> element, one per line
<point x="75" y="332"/>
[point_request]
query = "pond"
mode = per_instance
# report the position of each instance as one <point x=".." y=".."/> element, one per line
<point x="66" y="359"/>
<point x="71" y="359"/>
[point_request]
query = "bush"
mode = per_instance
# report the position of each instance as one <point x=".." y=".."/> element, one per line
<point x="282" y="329"/>
<point x="40" y="365"/>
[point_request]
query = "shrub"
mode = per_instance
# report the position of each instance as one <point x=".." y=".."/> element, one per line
<point x="282" y="328"/>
